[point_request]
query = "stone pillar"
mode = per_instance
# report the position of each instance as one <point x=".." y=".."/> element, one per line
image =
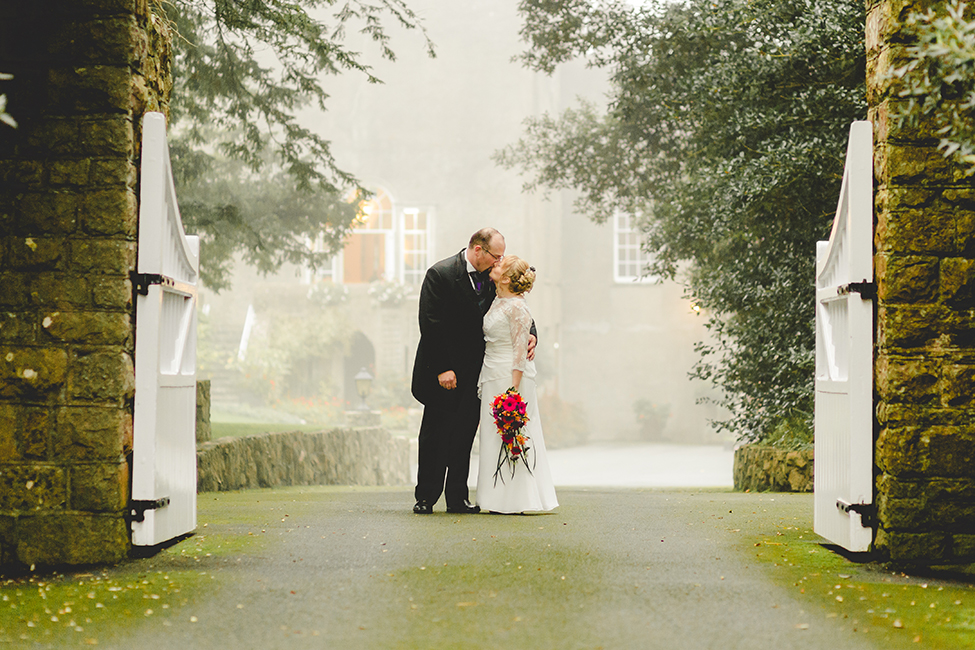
<point x="85" y="72"/>
<point x="925" y="353"/>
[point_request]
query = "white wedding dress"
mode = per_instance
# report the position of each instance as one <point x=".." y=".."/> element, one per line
<point x="506" y="332"/>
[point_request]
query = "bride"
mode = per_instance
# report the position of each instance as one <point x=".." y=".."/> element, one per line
<point x="529" y="487"/>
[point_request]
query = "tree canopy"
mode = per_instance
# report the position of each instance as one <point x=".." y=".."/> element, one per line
<point x="725" y="132"/>
<point x="251" y="179"/>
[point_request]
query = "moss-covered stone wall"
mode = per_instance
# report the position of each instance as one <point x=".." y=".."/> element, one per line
<point x="925" y="339"/>
<point x="85" y="73"/>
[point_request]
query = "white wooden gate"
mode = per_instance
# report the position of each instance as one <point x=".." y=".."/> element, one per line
<point x="164" y="439"/>
<point x="844" y="357"/>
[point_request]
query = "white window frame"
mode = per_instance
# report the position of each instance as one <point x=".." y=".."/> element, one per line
<point x="394" y="243"/>
<point x="630" y="260"/>
<point x="424" y="252"/>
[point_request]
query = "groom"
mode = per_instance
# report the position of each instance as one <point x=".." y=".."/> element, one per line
<point x="455" y="295"/>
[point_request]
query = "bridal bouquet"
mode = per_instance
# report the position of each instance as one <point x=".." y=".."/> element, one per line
<point x="509" y="409"/>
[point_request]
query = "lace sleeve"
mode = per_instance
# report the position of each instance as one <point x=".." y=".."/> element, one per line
<point x="520" y="322"/>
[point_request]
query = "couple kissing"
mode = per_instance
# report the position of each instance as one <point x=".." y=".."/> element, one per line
<point x="474" y="366"/>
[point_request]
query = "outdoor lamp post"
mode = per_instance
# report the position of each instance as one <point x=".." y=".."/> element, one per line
<point x="363" y="384"/>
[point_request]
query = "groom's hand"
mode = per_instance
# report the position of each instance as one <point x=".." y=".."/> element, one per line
<point x="449" y="380"/>
<point x="532" y="342"/>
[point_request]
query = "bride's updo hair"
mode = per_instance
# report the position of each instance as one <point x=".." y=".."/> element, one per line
<point x="521" y="275"/>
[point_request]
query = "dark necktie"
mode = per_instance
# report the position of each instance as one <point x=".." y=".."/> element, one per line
<point x="478" y="282"/>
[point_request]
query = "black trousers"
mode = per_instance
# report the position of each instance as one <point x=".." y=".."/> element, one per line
<point x="444" y="456"/>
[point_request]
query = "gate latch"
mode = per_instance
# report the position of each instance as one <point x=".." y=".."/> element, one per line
<point x="137" y="508"/>
<point x="866" y="289"/>
<point x="867" y="511"/>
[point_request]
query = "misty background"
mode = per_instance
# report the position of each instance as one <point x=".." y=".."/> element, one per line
<point x="615" y="347"/>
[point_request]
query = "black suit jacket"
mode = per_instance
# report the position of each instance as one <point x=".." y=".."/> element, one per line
<point x="451" y="332"/>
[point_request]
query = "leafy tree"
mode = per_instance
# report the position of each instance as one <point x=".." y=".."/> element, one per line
<point x="725" y="132"/>
<point x="252" y="180"/>
<point x="939" y="79"/>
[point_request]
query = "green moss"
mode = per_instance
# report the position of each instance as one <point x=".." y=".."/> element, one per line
<point x="883" y="605"/>
<point x="87" y="608"/>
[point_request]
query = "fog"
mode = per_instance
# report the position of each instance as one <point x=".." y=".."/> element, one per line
<point x="614" y="350"/>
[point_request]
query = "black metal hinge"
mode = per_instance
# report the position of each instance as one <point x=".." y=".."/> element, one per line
<point x="137" y="508"/>
<point x="867" y="511"/>
<point x="866" y="289"/>
<point x="142" y="281"/>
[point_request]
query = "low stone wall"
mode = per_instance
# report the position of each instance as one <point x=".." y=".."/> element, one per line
<point x="364" y="456"/>
<point x="767" y="469"/>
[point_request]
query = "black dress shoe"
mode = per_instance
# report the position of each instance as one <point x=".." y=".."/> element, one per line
<point x="423" y="508"/>
<point x="465" y="508"/>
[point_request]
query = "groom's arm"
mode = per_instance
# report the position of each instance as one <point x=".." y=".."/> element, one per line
<point x="532" y="341"/>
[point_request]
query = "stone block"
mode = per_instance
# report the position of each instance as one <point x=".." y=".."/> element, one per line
<point x="914" y="229"/>
<point x="8" y="432"/>
<point x="111" y="137"/>
<point x="924" y="547"/>
<point x="69" y="172"/>
<point x="35" y="253"/>
<point x="950" y="515"/>
<point x="14" y="290"/>
<point x="897" y="451"/>
<point x="907" y="278"/>
<point x="103" y="256"/>
<point x="904" y="514"/>
<point x="101" y="41"/>
<point x="110" y="212"/>
<point x="957" y="279"/>
<point x="912" y="380"/>
<point x="27" y="488"/>
<point x="54" y="291"/>
<point x="915" y="165"/>
<point x="22" y="175"/>
<point x="17" y="328"/>
<point x="89" y="328"/>
<point x="100" y="487"/>
<point x="31" y="371"/>
<point x="48" y="213"/>
<point x="114" y="171"/>
<point x="55" y="137"/>
<point x="111" y="292"/>
<point x="959" y="385"/>
<point x="909" y="327"/>
<point x="896" y="487"/>
<point x="106" y="376"/>
<point x="92" y="434"/>
<point x="8" y="543"/>
<point x="92" y="89"/>
<point x="948" y="451"/>
<point x="72" y="539"/>
<point x="34" y="432"/>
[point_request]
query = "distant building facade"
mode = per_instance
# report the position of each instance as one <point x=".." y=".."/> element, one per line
<point x="615" y="346"/>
